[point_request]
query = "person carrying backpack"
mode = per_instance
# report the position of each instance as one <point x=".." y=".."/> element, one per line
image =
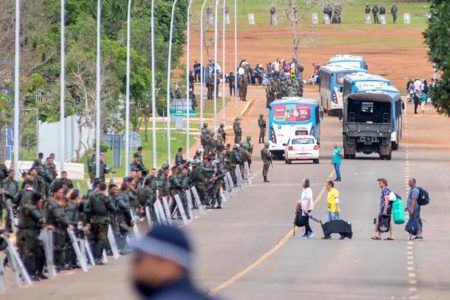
<point x="414" y="225"/>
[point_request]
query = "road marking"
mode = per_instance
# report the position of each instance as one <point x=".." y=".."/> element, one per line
<point x="266" y="255"/>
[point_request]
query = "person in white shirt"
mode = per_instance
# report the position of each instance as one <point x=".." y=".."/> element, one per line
<point x="418" y="85"/>
<point x="306" y="204"/>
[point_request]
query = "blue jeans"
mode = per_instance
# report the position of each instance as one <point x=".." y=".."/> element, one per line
<point x="332" y="216"/>
<point x="337" y="168"/>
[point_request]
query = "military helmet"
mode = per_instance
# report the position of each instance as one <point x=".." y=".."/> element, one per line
<point x="205" y="124"/>
<point x="237" y="118"/>
<point x="249" y="137"/>
<point x="213" y="132"/>
<point x="165" y="166"/>
<point x="239" y="123"/>
<point x="222" y="124"/>
<point x="266" y="144"/>
<point x="261" y="115"/>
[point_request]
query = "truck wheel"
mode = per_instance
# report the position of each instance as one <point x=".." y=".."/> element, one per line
<point x="394" y="146"/>
<point x="352" y="156"/>
<point x="388" y="157"/>
<point x="316" y="161"/>
<point x="289" y="161"/>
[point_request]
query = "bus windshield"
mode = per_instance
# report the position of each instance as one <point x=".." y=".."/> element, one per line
<point x="285" y="113"/>
<point x="339" y="77"/>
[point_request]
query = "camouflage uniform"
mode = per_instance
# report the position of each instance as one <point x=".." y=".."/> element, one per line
<point x="266" y="157"/>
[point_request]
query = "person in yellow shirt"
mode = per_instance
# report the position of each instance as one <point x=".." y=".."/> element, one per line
<point x="332" y="202"/>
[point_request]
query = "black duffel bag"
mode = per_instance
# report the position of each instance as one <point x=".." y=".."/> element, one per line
<point x="300" y="220"/>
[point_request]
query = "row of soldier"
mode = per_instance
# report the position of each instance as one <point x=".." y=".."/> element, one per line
<point x="285" y="86"/>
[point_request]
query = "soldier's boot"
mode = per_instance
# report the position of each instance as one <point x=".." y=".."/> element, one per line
<point x="265" y="179"/>
<point x="219" y="201"/>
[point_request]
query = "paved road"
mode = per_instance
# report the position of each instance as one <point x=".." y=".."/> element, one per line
<point x="246" y="250"/>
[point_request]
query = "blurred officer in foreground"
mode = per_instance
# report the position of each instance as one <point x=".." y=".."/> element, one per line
<point x="162" y="265"/>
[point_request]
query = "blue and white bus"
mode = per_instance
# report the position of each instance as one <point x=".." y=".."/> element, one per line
<point x="331" y="86"/>
<point x="397" y="106"/>
<point x="292" y="116"/>
<point x="349" y="61"/>
<point x="353" y="82"/>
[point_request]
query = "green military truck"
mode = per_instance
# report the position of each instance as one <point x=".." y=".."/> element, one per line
<point x="368" y="125"/>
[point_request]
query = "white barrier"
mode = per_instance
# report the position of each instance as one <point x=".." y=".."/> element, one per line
<point x="75" y="171"/>
<point x="383" y="19"/>
<point x="315" y="19"/>
<point x="326" y="19"/>
<point x="406" y="18"/>
<point x="251" y="19"/>
<point x="368" y="19"/>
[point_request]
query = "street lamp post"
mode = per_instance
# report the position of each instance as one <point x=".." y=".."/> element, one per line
<point x="153" y="85"/>
<point x="98" y="82"/>
<point x="62" y="127"/>
<point x="17" y="89"/>
<point x="235" y="55"/>
<point x="187" y="78"/>
<point x="223" y="60"/>
<point x="127" y="101"/>
<point x="169" y="68"/>
<point x="215" y="65"/>
<point x="202" y="37"/>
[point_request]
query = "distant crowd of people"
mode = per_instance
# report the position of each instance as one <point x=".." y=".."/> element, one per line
<point x="381" y="11"/>
<point x="418" y="92"/>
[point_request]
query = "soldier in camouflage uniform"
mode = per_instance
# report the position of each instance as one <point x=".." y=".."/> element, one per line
<point x="235" y="161"/>
<point x="30" y="248"/>
<point x="64" y="181"/>
<point x="104" y="169"/>
<point x="163" y="182"/>
<point x="222" y="132"/>
<point x="262" y="128"/>
<point x="24" y="195"/>
<point x="91" y="163"/>
<point x="218" y="182"/>
<point x="266" y="157"/>
<point x="49" y="171"/>
<point x="97" y="211"/>
<point x="10" y="187"/>
<point x="136" y="164"/>
<point x="176" y="188"/>
<point x="122" y="218"/>
<point x="197" y="179"/>
<point x="38" y="182"/>
<point x="179" y="157"/>
<point x="207" y="142"/>
<point x="237" y="130"/>
<point x="210" y="86"/>
<point x="38" y="165"/>
<point x="54" y="216"/>
<point x="208" y="173"/>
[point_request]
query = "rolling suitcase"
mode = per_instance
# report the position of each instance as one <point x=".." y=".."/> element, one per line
<point x="341" y="227"/>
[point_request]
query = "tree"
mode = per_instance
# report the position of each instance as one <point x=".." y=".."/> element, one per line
<point x="436" y="36"/>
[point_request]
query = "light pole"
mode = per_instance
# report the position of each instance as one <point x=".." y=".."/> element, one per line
<point x="215" y="65"/>
<point x="97" y="85"/>
<point x="153" y="85"/>
<point x="202" y="37"/>
<point x="187" y="78"/>
<point x="127" y="101"/>
<point x="235" y="55"/>
<point x="169" y="68"/>
<point x="62" y="127"/>
<point x="17" y="90"/>
<point x="223" y="61"/>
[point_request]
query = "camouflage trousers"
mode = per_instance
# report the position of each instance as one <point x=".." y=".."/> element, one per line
<point x="99" y="238"/>
<point x="31" y="251"/>
<point x="215" y="193"/>
<point x="265" y="168"/>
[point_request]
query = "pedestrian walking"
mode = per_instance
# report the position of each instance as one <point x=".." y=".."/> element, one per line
<point x="162" y="265"/>
<point x="337" y="158"/>
<point x="423" y="101"/>
<point x="197" y="68"/>
<point x="231" y="78"/>
<point x="385" y="210"/>
<point x="414" y="225"/>
<point x="332" y="202"/>
<point x="306" y="204"/>
<point x="416" y="99"/>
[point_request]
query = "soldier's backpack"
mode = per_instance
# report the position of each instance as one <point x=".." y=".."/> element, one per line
<point x="424" y="197"/>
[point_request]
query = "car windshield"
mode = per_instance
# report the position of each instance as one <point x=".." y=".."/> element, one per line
<point x="302" y="141"/>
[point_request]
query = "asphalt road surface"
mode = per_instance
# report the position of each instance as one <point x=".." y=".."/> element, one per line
<point x="247" y="250"/>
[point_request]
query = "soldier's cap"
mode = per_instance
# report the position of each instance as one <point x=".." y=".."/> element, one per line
<point x="213" y="132"/>
<point x="24" y="174"/>
<point x="215" y="162"/>
<point x="237" y="118"/>
<point x="222" y="124"/>
<point x="165" y="167"/>
<point x="236" y="146"/>
<point x="249" y="137"/>
<point x="266" y="144"/>
<point x="166" y="242"/>
<point x="205" y="124"/>
<point x="261" y="115"/>
<point x="245" y="146"/>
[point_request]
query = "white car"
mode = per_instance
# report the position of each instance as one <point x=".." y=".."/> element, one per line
<point x="301" y="148"/>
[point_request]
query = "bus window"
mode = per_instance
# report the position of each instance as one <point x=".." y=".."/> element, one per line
<point x="301" y="132"/>
<point x="339" y="78"/>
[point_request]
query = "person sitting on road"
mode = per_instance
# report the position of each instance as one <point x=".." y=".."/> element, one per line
<point x="385" y="209"/>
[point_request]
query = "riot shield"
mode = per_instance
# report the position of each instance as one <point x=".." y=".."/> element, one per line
<point x="197" y="200"/>
<point x="135" y="218"/>
<point x="247" y="173"/>
<point x="89" y="251"/>
<point x="165" y="203"/>
<point x="190" y="204"/>
<point x="16" y="263"/>
<point x="158" y="218"/>
<point x="4" y="287"/>
<point x="227" y="186"/>
<point x="47" y="239"/>
<point x="222" y="195"/>
<point x="181" y="209"/>
<point x="230" y="182"/>
<point x="76" y="248"/>
<point x="105" y="257"/>
<point x="113" y="243"/>
<point x="148" y="216"/>
<point x="160" y="212"/>
<point x="239" y="178"/>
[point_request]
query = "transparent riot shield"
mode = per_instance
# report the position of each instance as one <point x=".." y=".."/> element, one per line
<point x="326" y="19"/>
<point x="77" y="250"/>
<point x="89" y="251"/>
<point x="315" y="18"/>
<point x="247" y="173"/>
<point x="113" y="243"/>
<point x="160" y="212"/>
<point x="47" y="240"/>
<point x="158" y="218"/>
<point x="165" y="203"/>
<point x="105" y="257"/>
<point x="367" y="19"/>
<point x="135" y="219"/>
<point x="227" y="186"/>
<point x="190" y="205"/>
<point x="239" y="178"/>
<point x="4" y="287"/>
<point x="181" y="209"/>
<point x="148" y="216"/>
<point x="16" y="263"/>
<point x="222" y="195"/>
<point x="197" y="200"/>
<point x="230" y="182"/>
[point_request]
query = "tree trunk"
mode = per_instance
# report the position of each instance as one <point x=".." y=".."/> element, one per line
<point x="293" y="21"/>
<point x="80" y="138"/>
<point x="146" y="119"/>
<point x="3" y="144"/>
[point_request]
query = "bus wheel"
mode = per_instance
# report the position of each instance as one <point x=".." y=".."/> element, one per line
<point x="289" y="161"/>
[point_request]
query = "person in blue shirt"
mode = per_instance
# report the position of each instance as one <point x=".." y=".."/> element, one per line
<point x="414" y="226"/>
<point x="337" y="158"/>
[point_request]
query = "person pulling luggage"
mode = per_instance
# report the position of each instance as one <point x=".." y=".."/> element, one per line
<point x="306" y="205"/>
<point x="383" y="222"/>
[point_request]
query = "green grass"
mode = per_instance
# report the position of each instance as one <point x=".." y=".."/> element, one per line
<point x="178" y="140"/>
